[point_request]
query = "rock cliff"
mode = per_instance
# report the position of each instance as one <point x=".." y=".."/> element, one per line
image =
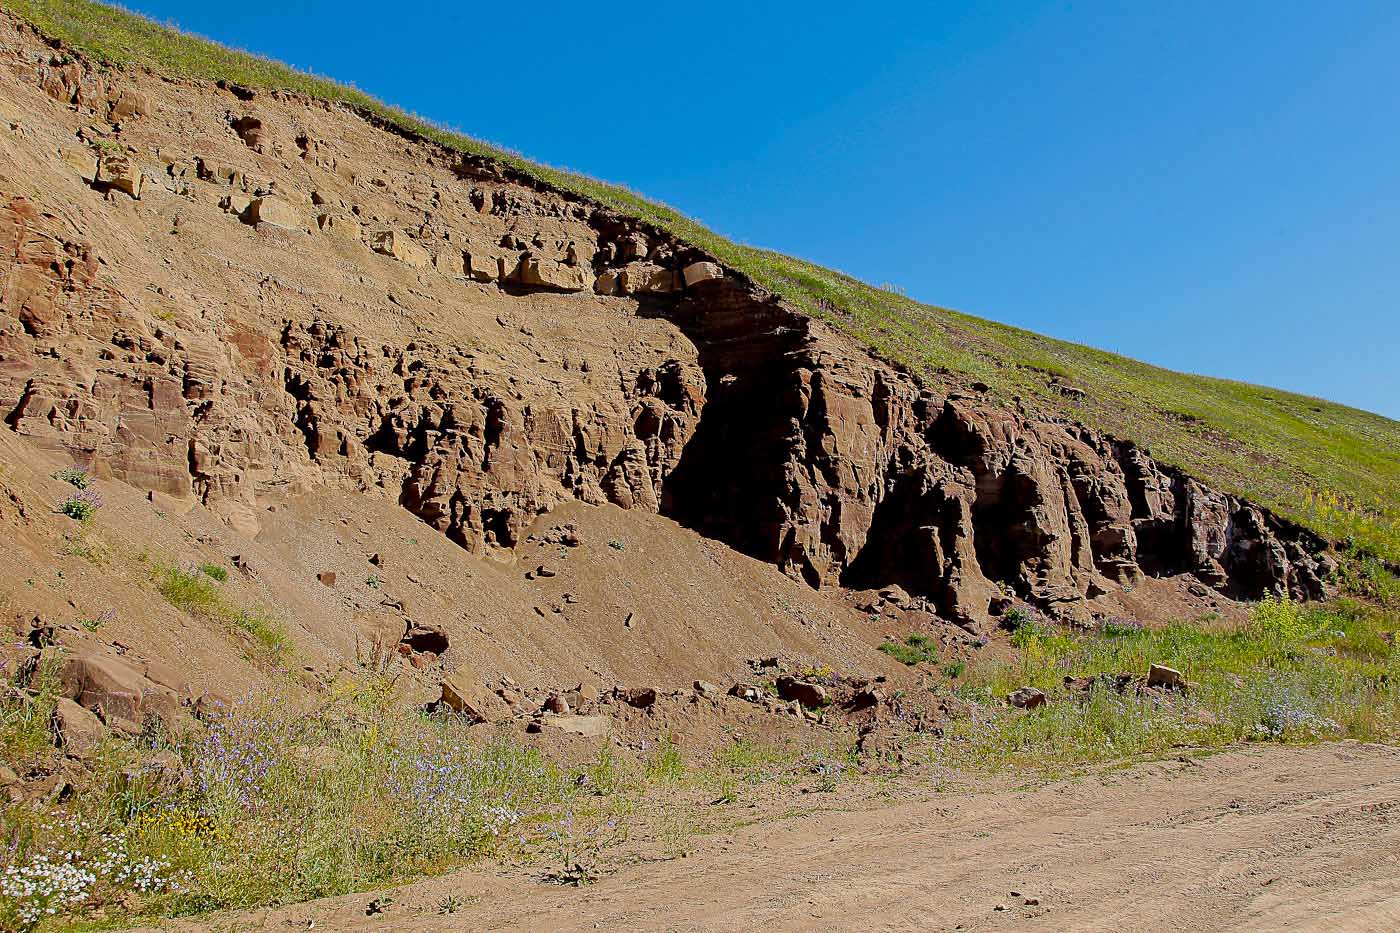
<point x="232" y="298"/>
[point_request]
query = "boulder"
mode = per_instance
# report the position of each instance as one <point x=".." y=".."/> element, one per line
<point x="485" y="266"/>
<point x="748" y="692"/>
<point x="462" y="694"/>
<point x="707" y="689"/>
<point x="1027" y="698"/>
<point x="546" y="273"/>
<point x="646" y="278"/>
<point x="272" y="211"/>
<point x="339" y="225"/>
<point x="1159" y="675"/>
<point x="700" y="272"/>
<point x="79" y="730"/>
<point x="129" y="105"/>
<point x="100" y="682"/>
<point x="218" y="172"/>
<point x="608" y="282"/>
<point x="84" y="162"/>
<point x="640" y="697"/>
<point x="400" y="246"/>
<point x="116" y="171"/>
<point x="807" y="693"/>
<point x="590" y="727"/>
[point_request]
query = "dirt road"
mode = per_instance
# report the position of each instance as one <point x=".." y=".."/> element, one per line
<point x="1261" y="839"/>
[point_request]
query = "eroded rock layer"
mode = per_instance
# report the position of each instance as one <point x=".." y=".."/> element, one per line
<point x="231" y="298"/>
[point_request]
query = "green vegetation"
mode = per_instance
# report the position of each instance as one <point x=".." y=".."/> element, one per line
<point x="25" y="713"/>
<point x="76" y="477"/>
<point x="278" y="803"/>
<point x="214" y="572"/>
<point x="196" y="591"/>
<point x="1293" y="673"/>
<point x="1287" y="451"/>
<point x="915" y="649"/>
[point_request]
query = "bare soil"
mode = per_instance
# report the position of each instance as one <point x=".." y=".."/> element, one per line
<point x="1254" y="839"/>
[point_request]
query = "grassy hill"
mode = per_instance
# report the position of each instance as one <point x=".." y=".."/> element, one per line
<point x="1334" y="468"/>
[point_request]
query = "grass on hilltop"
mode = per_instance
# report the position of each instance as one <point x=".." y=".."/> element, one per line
<point x="1283" y="450"/>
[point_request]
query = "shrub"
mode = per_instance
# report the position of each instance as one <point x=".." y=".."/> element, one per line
<point x="214" y="572"/>
<point x="81" y="505"/>
<point x="76" y="477"/>
<point x="667" y="765"/>
<point x="915" y="649"/>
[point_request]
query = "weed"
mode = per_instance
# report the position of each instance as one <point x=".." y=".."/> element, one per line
<point x="25" y="713"/>
<point x="76" y="477"/>
<point x="915" y="649"/>
<point x="1293" y="672"/>
<point x="617" y="544"/>
<point x="81" y="505"/>
<point x="214" y="572"/>
<point x="955" y="669"/>
<point x="193" y="590"/>
<point x="666" y="765"/>
<point x="94" y="623"/>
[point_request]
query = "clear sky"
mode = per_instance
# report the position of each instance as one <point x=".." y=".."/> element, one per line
<point x="1210" y="186"/>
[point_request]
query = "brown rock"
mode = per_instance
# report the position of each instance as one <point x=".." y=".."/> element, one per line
<point x="749" y="692"/>
<point x="807" y="693"/>
<point x="79" y="730"/>
<point x="1159" y="675"/>
<point x="462" y="694"/>
<point x="129" y="105"/>
<point x="327" y="577"/>
<point x="271" y="211"/>
<point x="400" y="246"/>
<point x="640" y="697"/>
<point x="1027" y="698"/>
<point x="545" y="273"/>
<point x="117" y="171"/>
<point x="698" y="273"/>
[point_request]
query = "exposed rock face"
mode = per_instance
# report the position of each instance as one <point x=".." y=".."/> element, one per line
<point x="526" y="348"/>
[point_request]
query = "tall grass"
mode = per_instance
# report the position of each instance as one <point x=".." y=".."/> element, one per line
<point x="1293" y="673"/>
<point x="280" y="802"/>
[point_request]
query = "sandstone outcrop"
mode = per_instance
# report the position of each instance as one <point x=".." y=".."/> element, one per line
<point x="527" y="348"/>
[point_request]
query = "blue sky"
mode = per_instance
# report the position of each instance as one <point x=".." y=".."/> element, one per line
<point x="1213" y="187"/>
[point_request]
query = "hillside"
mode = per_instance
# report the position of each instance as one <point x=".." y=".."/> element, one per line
<point x="1332" y="468"/>
<point x="375" y="505"/>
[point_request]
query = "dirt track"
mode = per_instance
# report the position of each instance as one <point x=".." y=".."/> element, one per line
<point x="1264" y="839"/>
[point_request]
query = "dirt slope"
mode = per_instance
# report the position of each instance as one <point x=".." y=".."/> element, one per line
<point x="1282" y="839"/>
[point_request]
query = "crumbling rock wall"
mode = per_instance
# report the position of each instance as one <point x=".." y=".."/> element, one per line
<point x="740" y="418"/>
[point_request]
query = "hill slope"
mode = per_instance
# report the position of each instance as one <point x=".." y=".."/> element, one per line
<point x="1278" y="448"/>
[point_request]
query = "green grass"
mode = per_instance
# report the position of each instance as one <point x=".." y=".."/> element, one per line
<point x="26" y="710"/>
<point x="283" y="801"/>
<point x="1293" y="673"/>
<point x="1277" y="448"/>
<point x="915" y="649"/>
<point x="198" y="592"/>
